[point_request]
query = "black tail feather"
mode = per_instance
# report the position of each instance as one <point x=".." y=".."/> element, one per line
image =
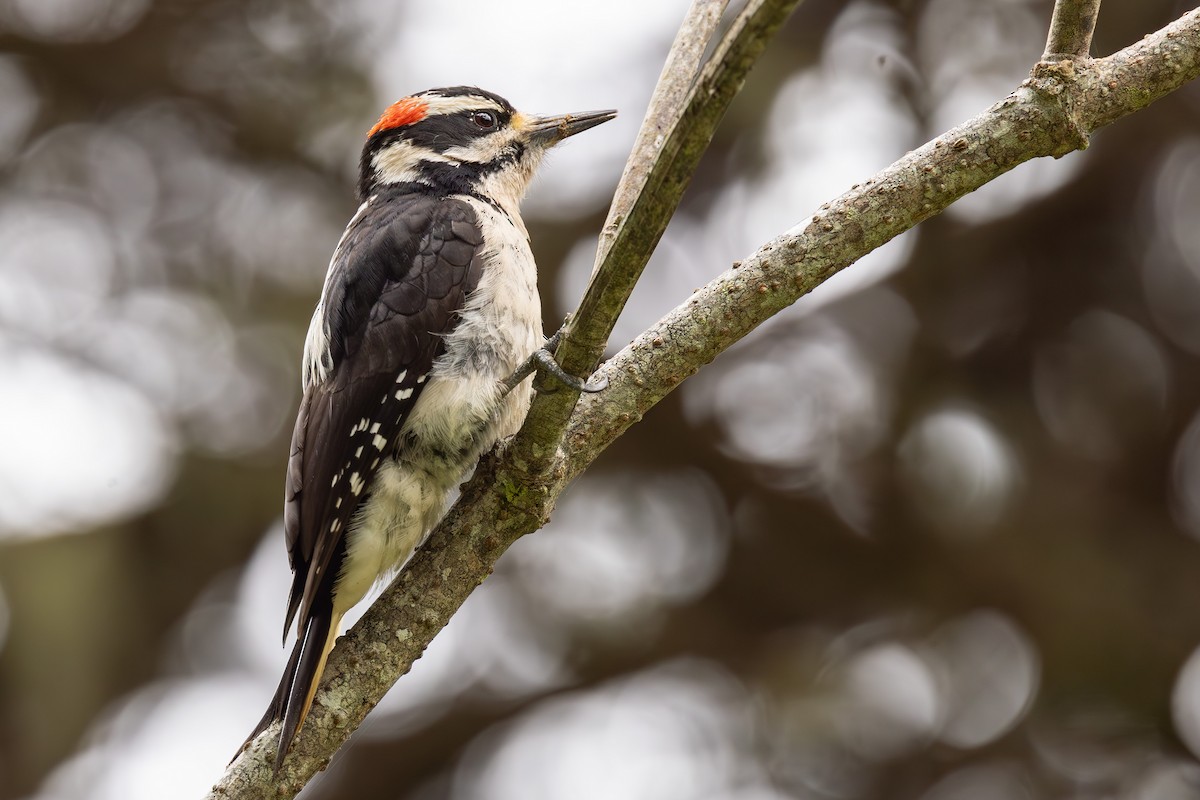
<point x="318" y="628"/>
<point x="308" y="657"/>
<point x="290" y="702"/>
<point x="279" y="702"/>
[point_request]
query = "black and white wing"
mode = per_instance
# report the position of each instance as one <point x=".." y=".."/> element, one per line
<point x="395" y="291"/>
<point x="397" y="282"/>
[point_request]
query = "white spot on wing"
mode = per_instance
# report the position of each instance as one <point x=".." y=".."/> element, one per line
<point x="356" y="484"/>
<point x="380" y="442"/>
<point x="404" y="394"/>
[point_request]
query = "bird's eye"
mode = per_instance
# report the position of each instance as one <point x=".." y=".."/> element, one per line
<point x="484" y="119"/>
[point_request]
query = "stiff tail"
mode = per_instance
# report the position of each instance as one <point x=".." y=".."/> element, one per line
<point x="279" y="702"/>
<point x="294" y="696"/>
<point x="318" y="641"/>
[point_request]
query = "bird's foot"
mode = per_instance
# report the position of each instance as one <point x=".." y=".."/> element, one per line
<point x="543" y="361"/>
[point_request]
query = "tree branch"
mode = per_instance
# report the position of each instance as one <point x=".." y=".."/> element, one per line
<point x="1050" y="114"/>
<point x="1071" y="29"/>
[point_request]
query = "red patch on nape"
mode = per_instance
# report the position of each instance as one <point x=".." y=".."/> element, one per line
<point x="401" y="113"/>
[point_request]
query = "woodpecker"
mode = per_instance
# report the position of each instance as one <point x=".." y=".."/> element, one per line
<point x="412" y="363"/>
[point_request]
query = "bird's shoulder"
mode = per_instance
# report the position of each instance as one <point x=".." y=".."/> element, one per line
<point x="402" y="257"/>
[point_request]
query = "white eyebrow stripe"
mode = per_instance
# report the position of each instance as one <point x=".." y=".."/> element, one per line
<point x="452" y="105"/>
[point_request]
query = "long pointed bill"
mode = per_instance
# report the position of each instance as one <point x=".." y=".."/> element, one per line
<point x="549" y="130"/>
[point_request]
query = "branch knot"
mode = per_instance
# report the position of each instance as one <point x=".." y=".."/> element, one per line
<point x="1057" y="84"/>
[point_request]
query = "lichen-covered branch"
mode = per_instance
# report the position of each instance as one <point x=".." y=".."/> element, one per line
<point x="1051" y="114"/>
<point x="1071" y="29"/>
<point x="1133" y="78"/>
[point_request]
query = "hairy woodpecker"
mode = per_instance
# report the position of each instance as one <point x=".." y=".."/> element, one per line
<point x="429" y="305"/>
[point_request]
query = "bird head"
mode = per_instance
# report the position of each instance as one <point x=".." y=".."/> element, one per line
<point x="464" y="140"/>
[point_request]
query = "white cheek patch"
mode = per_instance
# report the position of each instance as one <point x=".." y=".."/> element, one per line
<point x="400" y="162"/>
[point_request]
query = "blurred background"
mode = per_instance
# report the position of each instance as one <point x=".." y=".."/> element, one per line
<point x="931" y="534"/>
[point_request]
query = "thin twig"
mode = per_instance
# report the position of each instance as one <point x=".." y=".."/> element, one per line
<point x="1071" y="29"/>
<point x="673" y="144"/>
<point x="667" y="104"/>
<point x="676" y="134"/>
<point x="1044" y="117"/>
